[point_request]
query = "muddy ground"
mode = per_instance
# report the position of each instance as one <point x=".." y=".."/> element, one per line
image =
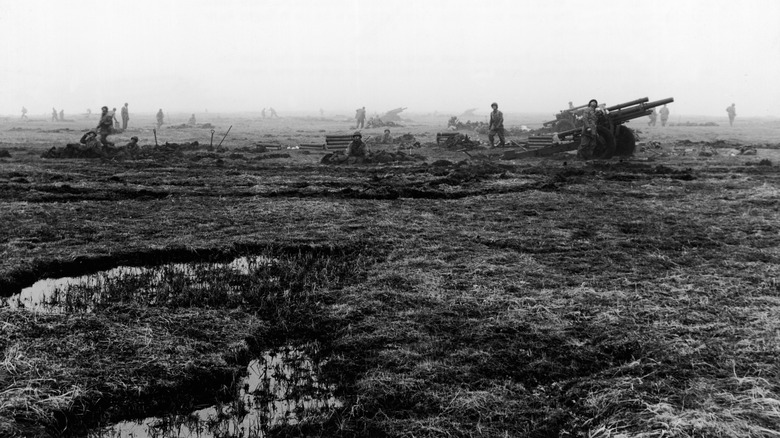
<point x="456" y="295"/>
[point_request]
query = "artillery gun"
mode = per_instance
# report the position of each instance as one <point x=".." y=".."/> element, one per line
<point x="392" y="115"/>
<point x="614" y="137"/>
<point x="566" y="119"/>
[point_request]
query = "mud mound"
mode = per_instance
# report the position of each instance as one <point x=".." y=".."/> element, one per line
<point x="196" y="126"/>
<point x="382" y="157"/>
<point x="270" y="156"/>
<point x="76" y="150"/>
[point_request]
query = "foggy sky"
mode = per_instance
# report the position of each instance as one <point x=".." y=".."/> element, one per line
<point x="445" y="55"/>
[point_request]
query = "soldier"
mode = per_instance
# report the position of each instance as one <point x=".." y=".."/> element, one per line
<point x="357" y="147"/>
<point x="62" y="115"/>
<point x="105" y="126"/>
<point x="125" y="116"/>
<point x="113" y="117"/>
<point x="192" y="121"/>
<point x="387" y="138"/>
<point x="273" y="112"/>
<point x="590" y="133"/>
<point x="732" y="110"/>
<point x="664" y="115"/>
<point x="90" y="140"/>
<point x="24" y="113"/>
<point x="160" y="118"/>
<point x="263" y="112"/>
<point x="496" y="126"/>
<point x="54" y="116"/>
<point x="360" y="117"/>
<point x="653" y="116"/>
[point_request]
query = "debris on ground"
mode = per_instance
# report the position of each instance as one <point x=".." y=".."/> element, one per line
<point x="748" y="150"/>
<point x="376" y="122"/>
<point x="461" y="141"/>
<point x="340" y="157"/>
<point x="190" y="125"/>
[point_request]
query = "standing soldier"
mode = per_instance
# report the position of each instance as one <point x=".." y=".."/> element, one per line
<point x="360" y="117"/>
<point x="125" y="116"/>
<point x="113" y="117"/>
<point x="732" y="110"/>
<point x="496" y="126"/>
<point x="653" y="116"/>
<point x="590" y="133"/>
<point x="54" y="116"/>
<point x="160" y="118"/>
<point x="263" y="112"/>
<point x="24" y="113"/>
<point x="664" y="115"/>
<point x="62" y="115"/>
<point x="105" y="126"/>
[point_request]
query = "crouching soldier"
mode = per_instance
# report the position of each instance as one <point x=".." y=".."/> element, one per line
<point x="357" y="147"/>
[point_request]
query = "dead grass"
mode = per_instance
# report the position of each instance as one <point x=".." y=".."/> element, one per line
<point x="605" y="300"/>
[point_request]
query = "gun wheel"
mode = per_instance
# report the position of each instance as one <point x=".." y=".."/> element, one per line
<point x="625" y="141"/>
<point x="606" y="146"/>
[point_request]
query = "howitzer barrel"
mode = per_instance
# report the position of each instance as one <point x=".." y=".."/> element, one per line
<point x="656" y="103"/>
<point x="623" y="105"/>
<point x="633" y="115"/>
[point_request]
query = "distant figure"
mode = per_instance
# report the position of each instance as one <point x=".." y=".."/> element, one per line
<point x="571" y="105"/>
<point x="24" y="113"/>
<point x="125" y="116"/>
<point x="54" y="116"/>
<point x="653" y="116"/>
<point x="273" y="112"/>
<point x="192" y="121"/>
<point x="263" y="112"/>
<point x="160" y="118"/>
<point x="590" y="133"/>
<point x="113" y="117"/>
<point x="732" y="110"/>
<point x="387" y="138"/>
<point x="89" y="113"/>
<point x="357" y="147"/>
<point x="496" y="126"/>
<point x="360" y="117"/>
<point x="664" y="115"/>
<point x="62" y="115"/>
<point x="105" y="126"/>
<point x="322" y="112"/>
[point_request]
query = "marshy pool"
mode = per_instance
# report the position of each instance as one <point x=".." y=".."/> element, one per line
<point x="149" y="285"/>
<point x="281" y="387"/>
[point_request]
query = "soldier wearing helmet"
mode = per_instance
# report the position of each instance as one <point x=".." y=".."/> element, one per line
<point x="496" y="126"/>
<point x="590" y="134"/>
<point x="357" y="147"/>
<point x="105" y="126"/>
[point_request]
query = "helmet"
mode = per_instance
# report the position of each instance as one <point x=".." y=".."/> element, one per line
<point x="494" y="104"/>
<point x="134" y="138"/>
<point x="357" y="134"/>
<point x="593" y="100"/>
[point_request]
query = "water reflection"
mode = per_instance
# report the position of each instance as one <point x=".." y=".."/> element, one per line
<point x="67" y="294"/>
<point x="280" y="388"/>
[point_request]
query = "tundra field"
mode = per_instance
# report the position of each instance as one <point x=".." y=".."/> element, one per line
<point x="451" y="294"/>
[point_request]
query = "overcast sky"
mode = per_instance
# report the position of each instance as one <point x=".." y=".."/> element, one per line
<point x="445" y="55"/>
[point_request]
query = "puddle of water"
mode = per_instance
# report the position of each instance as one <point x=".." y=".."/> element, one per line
<point x="69" y="294"/>
<point x="280" y="388"/>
